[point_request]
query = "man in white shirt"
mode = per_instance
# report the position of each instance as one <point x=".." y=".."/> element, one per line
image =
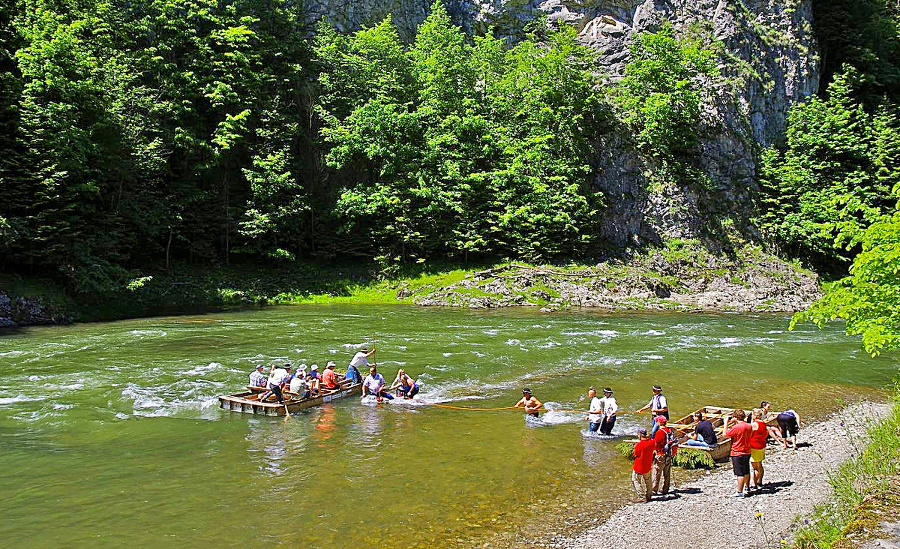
<point x="374" y="384"/>
<point x="595" y="410"/>
<point x="361" y="359"/>
<point x="277" y="379"/>
<point x="658" y="407"/>
<point x="610" y="407"/>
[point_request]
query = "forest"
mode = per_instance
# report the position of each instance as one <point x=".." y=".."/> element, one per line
<point x="139" y="136"/>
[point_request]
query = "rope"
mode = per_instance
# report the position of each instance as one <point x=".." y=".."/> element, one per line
<point x="541" y="409"/>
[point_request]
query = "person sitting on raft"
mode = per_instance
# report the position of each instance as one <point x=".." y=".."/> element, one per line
<point x="374" y="385"/>
<point x="704" y="435"/>
<point x="257" y="377"/>
<point x="298" y="385"/>
<point x="531" y="404"/>
<point x="404" y="385"/>
<point x="313" y="381"/>
<point x="329" y="378"/>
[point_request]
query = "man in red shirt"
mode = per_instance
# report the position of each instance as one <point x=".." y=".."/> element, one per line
<point x="329" y="378"/>
<point x="643" y="462"/>
<point x="666" y="446"/>
<point x="740" y="435"/>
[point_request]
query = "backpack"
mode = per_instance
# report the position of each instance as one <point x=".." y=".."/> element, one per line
<point x="670" y="446"/>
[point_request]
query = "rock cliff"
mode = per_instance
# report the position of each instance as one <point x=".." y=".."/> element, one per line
<point x="768" y="57"/>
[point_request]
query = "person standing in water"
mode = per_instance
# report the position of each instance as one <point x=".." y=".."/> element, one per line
<point x="531" y="404"/>
<point x="610" y="407"/>
<point x="595" y="411"/>
<point x="405" y="385"/>
<point x="658" y="407"/>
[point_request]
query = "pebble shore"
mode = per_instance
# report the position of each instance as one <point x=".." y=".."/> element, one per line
<point x="701" y="515"/>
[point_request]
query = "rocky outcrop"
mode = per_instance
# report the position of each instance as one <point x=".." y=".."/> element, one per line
<point x="768" y="58"/>
<point x="755" y="283"/>
<point x="26" y="311"/>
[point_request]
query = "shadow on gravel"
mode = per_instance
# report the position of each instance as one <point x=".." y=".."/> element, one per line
<point x="773" y="487"/>
<point x="675" y="494"/>
<point x="804" y="445"/>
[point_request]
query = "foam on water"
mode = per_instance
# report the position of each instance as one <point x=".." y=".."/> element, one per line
<point x="16" y="399"/>
<point x="141" y="334"/>
<point x="12" y="354"/>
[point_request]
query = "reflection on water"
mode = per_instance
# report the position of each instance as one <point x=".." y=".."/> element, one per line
<point x="125" y="415"/>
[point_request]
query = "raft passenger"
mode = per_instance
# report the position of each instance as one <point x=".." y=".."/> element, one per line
<point x="704" y="435"/>
<point x="277" y="379"/>
<point x="257" y="377"/>
<point x="329" y="378"/>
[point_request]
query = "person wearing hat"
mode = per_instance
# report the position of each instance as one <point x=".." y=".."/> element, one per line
<point x="313" y="380"/>
<point x="666" y="444"/>
<point x="277" y="379"/>
<point x="610" y="407"/>
<point x="658" y="406"/>
<point x="643" y="463"/>
<point x="404" y="385"/>
<point x="298" y="383"/>
<point x="257" y="377"/>
<point x="531" y="404"/>
<point x="329" y="378"/>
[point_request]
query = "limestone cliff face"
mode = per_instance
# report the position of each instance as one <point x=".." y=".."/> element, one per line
<point x="770" y="62"/>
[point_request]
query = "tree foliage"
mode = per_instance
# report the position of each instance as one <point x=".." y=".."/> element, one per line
<point x="458" y="148"/>
<point x="834" y="177"/>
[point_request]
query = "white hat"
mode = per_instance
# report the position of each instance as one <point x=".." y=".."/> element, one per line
<point x="302" y="367"/>
<point x="315" y="366"/>
<point x="330" y="364"/>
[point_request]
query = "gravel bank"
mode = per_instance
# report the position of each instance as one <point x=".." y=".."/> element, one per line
<point x="701" y="515"/>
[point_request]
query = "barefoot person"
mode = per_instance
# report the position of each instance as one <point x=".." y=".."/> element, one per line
<point x="643" y="463"/>
<point x="740" y="435"/>
<point x="704" y="435"/>
<point x="757" y="447"/>
<point x="277" y="379"/>
<point x="531" y="404"/>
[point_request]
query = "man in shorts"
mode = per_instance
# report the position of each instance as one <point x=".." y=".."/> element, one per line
<point x="740" y="435"/>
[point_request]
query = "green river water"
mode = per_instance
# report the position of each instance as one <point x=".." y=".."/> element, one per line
<point x="110" y="434"/>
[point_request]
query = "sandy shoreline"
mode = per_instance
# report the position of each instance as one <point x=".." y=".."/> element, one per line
<point x="699" y="514"/>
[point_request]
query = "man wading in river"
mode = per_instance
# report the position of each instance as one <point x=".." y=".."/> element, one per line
<point x="531" y="404"/>
<point x="658" y="407"/>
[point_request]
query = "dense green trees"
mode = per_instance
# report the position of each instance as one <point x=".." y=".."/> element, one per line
<point x="456" y="148"/>
<point x="834" y="177"/>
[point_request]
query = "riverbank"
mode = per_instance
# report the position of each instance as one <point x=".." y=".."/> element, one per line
<point x="700" y="513"/>
<point x="682" y="276"/>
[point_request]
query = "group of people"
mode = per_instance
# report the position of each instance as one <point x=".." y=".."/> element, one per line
<point x="301" y="383"/>
<point x="305" y="384"/>
<point x="654" y="452"/>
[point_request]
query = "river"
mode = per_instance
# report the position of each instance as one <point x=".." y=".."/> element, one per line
<point x="111" y="432"/>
